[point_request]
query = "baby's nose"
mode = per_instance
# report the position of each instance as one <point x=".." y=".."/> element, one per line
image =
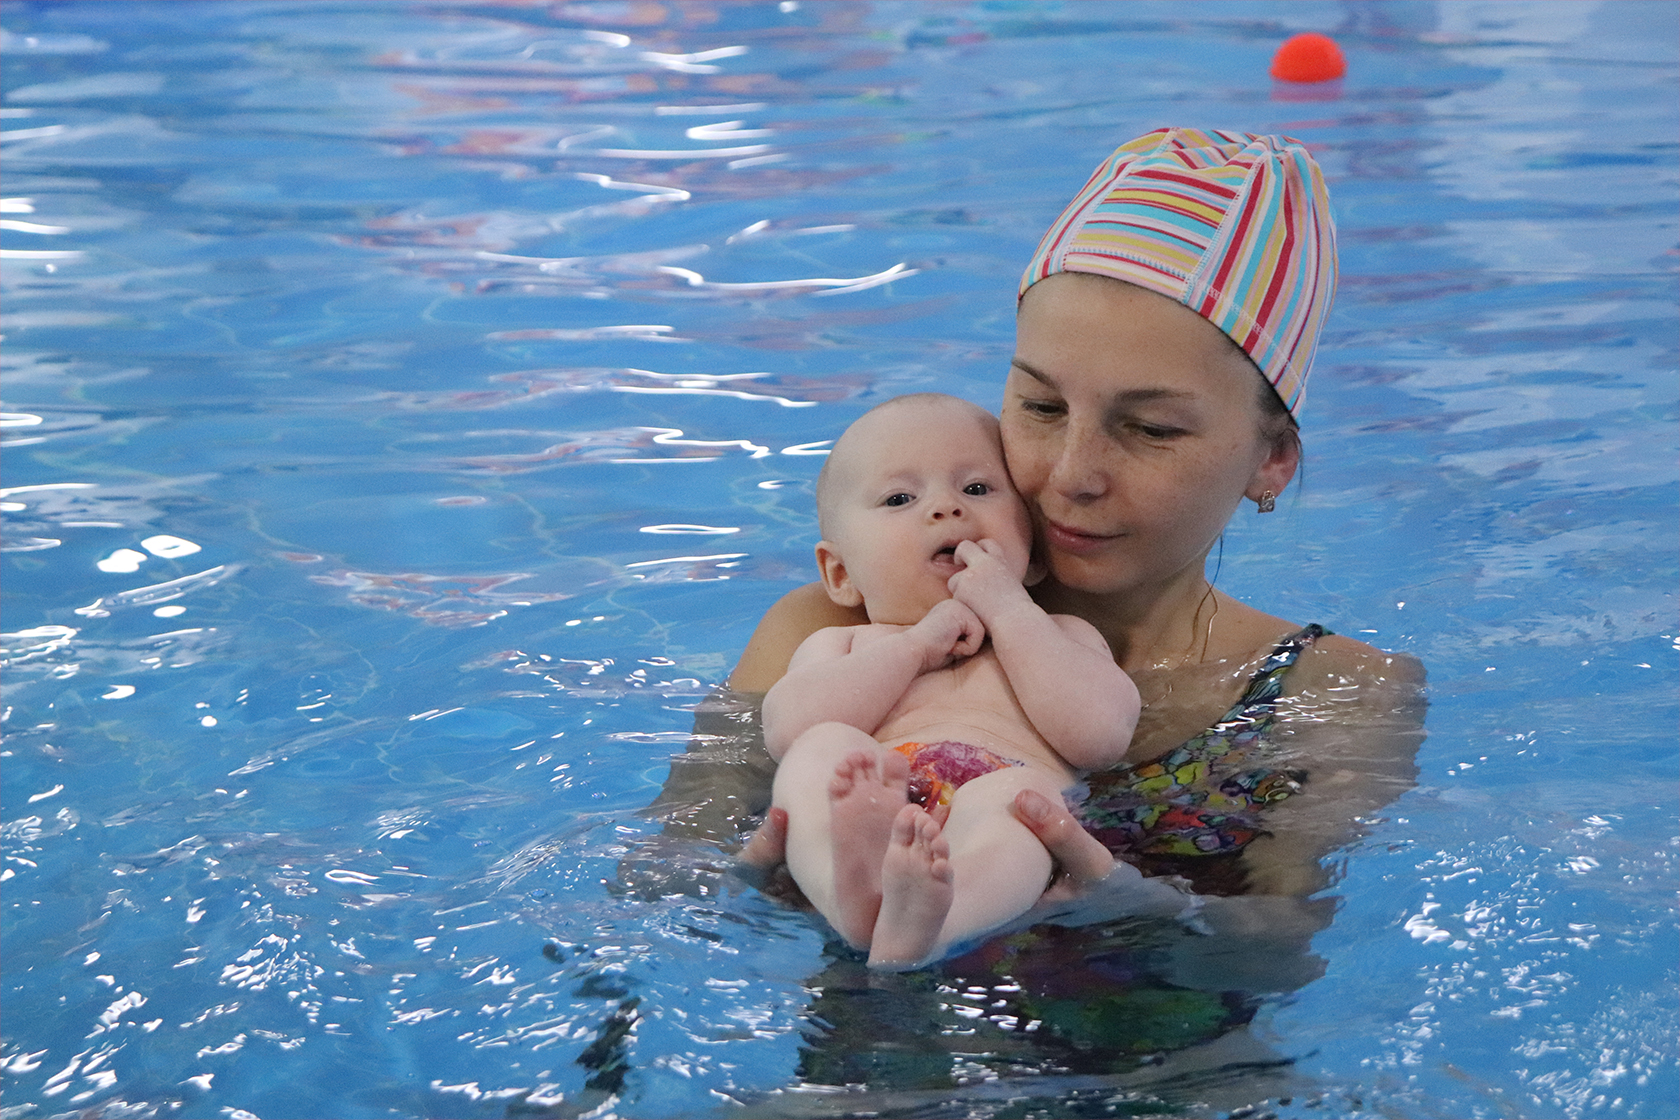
<point x="949" y="509"/>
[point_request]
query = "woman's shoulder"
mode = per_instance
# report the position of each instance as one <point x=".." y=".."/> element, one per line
<point x="1327" y="656"/>
<point x="1336" y="658"/>
<point x="789" y="621"/>
<point x="1354" y="721"/>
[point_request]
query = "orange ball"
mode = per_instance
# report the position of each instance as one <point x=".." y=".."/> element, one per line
<point x="1309" y="57"/>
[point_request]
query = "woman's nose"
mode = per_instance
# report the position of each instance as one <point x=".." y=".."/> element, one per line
<point x="1076" y="471"/>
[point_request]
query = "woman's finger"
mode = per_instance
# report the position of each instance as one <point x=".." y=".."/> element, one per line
<point x="1079" y="855"/>
<point x="767" y="846"/>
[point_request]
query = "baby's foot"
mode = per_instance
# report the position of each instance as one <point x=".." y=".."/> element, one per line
<point x="865" y="795"/>
<point x="916" y="892"/>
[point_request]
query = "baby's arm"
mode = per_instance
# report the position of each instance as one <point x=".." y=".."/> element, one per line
<point x="856" y="674"/>
<point x="1078" y="699"/>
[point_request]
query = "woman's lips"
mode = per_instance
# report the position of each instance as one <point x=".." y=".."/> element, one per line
<point x="1063" y="538"/>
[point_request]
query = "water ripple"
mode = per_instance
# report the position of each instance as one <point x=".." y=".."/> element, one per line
<point x="486" y="356"/>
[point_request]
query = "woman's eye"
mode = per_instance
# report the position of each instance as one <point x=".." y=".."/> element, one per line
<point x="1042" y="409"/>
<point x="1156" y="431"/>
<point x="977" y="489"/>
<point x="897" y="500"/>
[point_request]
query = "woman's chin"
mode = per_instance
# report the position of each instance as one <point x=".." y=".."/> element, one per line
<point x="1078" y="573"/>
<point x="1100" y="576"/>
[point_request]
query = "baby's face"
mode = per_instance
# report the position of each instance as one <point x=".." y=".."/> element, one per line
<point x="919" y="479"/>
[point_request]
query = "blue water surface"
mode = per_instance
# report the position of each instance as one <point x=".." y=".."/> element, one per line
<point x="411" y="407"/>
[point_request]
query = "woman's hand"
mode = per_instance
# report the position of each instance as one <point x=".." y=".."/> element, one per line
<point x="762" y="861"/>
<point x="767" y="846"/>
<point x="1081" y="860"/>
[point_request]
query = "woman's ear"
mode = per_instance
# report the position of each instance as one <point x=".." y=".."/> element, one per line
<point x="1278" y="468"/>
<point x="835" y="581"/>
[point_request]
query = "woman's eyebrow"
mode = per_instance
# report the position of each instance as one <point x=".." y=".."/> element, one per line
<point x="1031" y="371"/>
<point x="1143" y="396"/>
<point x="1120" y="399"/>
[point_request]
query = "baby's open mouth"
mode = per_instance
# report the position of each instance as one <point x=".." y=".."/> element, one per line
<point x="948" y="554"/>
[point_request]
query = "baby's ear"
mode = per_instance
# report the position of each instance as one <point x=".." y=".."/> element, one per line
<point x="835" y="580"/>
<point x="1036" y="571"/>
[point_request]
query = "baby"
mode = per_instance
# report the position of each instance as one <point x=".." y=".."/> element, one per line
<point x="902" y="743"/>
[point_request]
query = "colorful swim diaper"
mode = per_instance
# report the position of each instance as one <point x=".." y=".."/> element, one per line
<point x="938" y="770"/>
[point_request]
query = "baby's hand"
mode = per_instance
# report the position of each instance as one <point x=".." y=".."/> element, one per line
<point x="985" y="583"/>
<point x="949" y="632"/>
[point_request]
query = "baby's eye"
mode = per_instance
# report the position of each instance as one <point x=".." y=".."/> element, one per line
<point x="977" y="489"/>
<point x="897" y="500"/>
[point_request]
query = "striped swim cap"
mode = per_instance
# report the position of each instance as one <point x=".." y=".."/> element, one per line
<point x="1236" y="227"/>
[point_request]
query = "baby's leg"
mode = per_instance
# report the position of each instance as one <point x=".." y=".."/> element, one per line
<point x="841" y="791"/>
<point x="999" y="868"/>
<point x="915" y="892"/>
<point x="866" y="794"/>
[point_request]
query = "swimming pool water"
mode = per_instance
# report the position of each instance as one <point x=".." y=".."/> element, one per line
<point x="410" y="408"/>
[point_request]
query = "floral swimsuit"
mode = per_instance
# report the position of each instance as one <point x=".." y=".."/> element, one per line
<point x="1196" y="800"/>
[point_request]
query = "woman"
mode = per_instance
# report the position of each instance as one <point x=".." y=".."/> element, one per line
<point x="1166" y="329"/>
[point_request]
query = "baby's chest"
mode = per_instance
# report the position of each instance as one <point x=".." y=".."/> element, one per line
<point x="975" y="684"/>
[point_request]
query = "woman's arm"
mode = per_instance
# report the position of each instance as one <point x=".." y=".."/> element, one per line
<point x="1352" y="718"/>
<point x="793" y="618"/>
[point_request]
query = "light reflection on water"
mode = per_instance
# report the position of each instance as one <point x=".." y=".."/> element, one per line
<point x="410" y="409"/>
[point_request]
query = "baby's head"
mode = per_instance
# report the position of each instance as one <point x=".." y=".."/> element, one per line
<point x="904" y="485"/>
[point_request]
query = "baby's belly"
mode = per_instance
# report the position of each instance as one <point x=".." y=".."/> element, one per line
<point x="1026" y="749"/>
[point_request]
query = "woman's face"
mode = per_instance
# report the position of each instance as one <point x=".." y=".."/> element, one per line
<point x="1132" y="428"/>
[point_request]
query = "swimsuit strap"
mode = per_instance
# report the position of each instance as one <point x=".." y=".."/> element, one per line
<point x="1194" y="800"/>
<point x="1267" y="683"/>
<point x="1252" y="715"/>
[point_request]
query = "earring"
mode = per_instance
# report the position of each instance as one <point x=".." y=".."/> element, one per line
<point x="1266" y="503"/>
